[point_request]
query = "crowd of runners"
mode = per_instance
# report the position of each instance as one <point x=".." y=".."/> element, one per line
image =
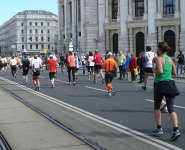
<point x="159" y="65"/>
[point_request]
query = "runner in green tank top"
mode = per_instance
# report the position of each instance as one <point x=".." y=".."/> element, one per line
<point x="167" y="70"/>
<point x="165" y="67"/>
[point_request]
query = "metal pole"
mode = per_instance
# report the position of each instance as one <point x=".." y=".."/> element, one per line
<point x="77" y="46"/>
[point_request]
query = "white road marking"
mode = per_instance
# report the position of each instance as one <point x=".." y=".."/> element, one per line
<point x="142" y="85"/>
<point x="42" y="77"/>
<point x="173" y="105"/>
<point x="118" y="127"/>
<point x="95" y="89"/>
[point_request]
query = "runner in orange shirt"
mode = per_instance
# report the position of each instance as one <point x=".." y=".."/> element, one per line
<point x="110" y="67"/>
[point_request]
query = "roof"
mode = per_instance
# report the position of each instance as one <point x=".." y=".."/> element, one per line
<point x="35" y="12"/>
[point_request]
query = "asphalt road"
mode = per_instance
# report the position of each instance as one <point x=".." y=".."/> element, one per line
<point x="131" y="110"/>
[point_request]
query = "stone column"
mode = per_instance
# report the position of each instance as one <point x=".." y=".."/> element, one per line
<point x="131" y="41"/>
<point x="145" y="15"/>
<point x="130" y="16"/>
<point x="107" y="40"/>
<point x="73" y="18"/>
<point x="159" y="34"/>
<point x="66" y="23"/>
<point x="118" y="17"/>
<point x="177" y="41"/>
<point x="107" y="11"/>
<point x="82" y="39"/>
<point x="159" y="13"/>
<point x="146" y="28"/>
<point x="123" y="37"/>
<point x="151" y="37"/>
<point x="177" y="12"/>
<point x="60" y="20"/>
<point x="182" y="34"/>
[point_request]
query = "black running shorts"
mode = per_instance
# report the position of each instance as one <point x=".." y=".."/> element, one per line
<point x="36" y="73"/>
<point x="52" y="75"/>
<point x="148" y="70"/>
<point x="25" y="72"/>
<point x="96" y="67"/>
<point x="109" y="77"/>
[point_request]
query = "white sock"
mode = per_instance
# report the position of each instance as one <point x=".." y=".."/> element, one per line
<point x="26" y="79"/>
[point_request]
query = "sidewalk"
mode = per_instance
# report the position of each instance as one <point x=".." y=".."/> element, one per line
<point x="25" y="129"/>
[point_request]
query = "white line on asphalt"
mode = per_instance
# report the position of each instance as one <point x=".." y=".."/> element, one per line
<point x="42" y="77"/>
<point x="142" y="85"/>
<point x="121" y="128"/>
<point x="173" y="105"/>
<point x="95" y="89"/>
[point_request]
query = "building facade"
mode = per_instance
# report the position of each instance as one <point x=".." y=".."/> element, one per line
<point x="127" y="25"/>
<point x="31" y="31"/>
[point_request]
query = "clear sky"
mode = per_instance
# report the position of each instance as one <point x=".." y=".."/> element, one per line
<point x="8" y="8"/>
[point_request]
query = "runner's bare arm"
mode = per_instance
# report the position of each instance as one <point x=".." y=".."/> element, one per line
<point x="159" y="66"/>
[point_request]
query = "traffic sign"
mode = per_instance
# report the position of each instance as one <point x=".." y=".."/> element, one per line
<point x="13" y="46"/>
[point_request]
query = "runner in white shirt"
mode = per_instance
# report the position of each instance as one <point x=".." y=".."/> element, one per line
<point x="90" y="65"/>
<point x="13" y="64"/>
<point x="149" y="55"/>
<point x="36" y="65"/>
<point x="2" y="59"/>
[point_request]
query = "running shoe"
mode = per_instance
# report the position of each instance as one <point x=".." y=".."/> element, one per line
<point x="109" y="94"/>
<point x="53" y="85"/>
<point x="95" y="81"/>
<point x="139" y="82"/>
<point x="175" y="135"/>
<point x="39" y="89"/>
<point x="69" y="83"/>
<point x="103" y="81"/>
<point x="157" y="131"/>
<point x="23" y="81"/>
<point x="74" y="83"/>
<point x="113" y="91"/>
<point x="36" y="87"/>
<point x="144" y="88"/>
<point x="98" y="75"/>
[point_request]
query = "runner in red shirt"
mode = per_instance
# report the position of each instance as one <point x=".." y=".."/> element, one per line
<point x="53" y="63"/>
<point x="98" y="65"/>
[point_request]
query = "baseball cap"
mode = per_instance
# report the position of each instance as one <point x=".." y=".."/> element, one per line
<point x="109" y="54"/>
<point x="51" y="55"/>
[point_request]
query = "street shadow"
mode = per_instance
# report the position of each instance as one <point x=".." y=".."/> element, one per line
<point x="125" y="110"/>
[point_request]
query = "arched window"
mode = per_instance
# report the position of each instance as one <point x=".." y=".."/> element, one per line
<point x="115" y="43"/>
<point x="114" y="9"/>
<point x="140" y="43"/>
<point x="169" y="6"/>
<point x="169" y="37"/>
<point x="139" y="8"/>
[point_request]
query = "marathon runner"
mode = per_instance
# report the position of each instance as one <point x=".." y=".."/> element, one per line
<point x="13" y="64"/>
<point x="52" y="67"/>
<point x="76" y="66"/>
<point x="98" y="66"/>
<point x="110" y="67"/>
<point x="149" y="55"/>
<point x="25" y="66"/>
<point x="36" y="65"/>
<point x="90" y="65"/>
<point x="62" y="58"/>
<point x="71" y="67"/>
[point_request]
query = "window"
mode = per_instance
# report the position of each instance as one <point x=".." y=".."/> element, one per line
<point x="41" y="23"/>
<point x="48" y="46"/>
<point x="63" y="14"/>
<point x="30" y="46"/>
<point x="71" y="35"/>
<point x="22" y="39"/>
<point x="36" y="31"/>
<point x="79" y="33"/>
<point x="22" y="31"/>
<point x="48" y="24"/>
<point x="42" y="39"/>
<point x="139" y="8"/>
<point x="48" y="38"/>
<point x="30" y="23"/>
<point x="114" y="9"/>
<point x="36" y="39"/>
<point x="35" y="23"/>
<point x="41" y="30"/>
<point x="63" y="36"/>
<point x="22" y="24"/>
<point x="70" y="7"/>
<point x="36" y="46"/>
<point x="42" y="46"/>
<point x="48" y="31"/>
<point x="169" y="7"/>
<point x="22" y="46"/>
<point x="30" y="38"/>
<point x="30" y="30"/>
<point x="79" y="11"/>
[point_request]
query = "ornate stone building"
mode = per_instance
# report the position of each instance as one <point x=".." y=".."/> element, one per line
<point x="33" y="30"/>
<point x="127" y="25"/>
